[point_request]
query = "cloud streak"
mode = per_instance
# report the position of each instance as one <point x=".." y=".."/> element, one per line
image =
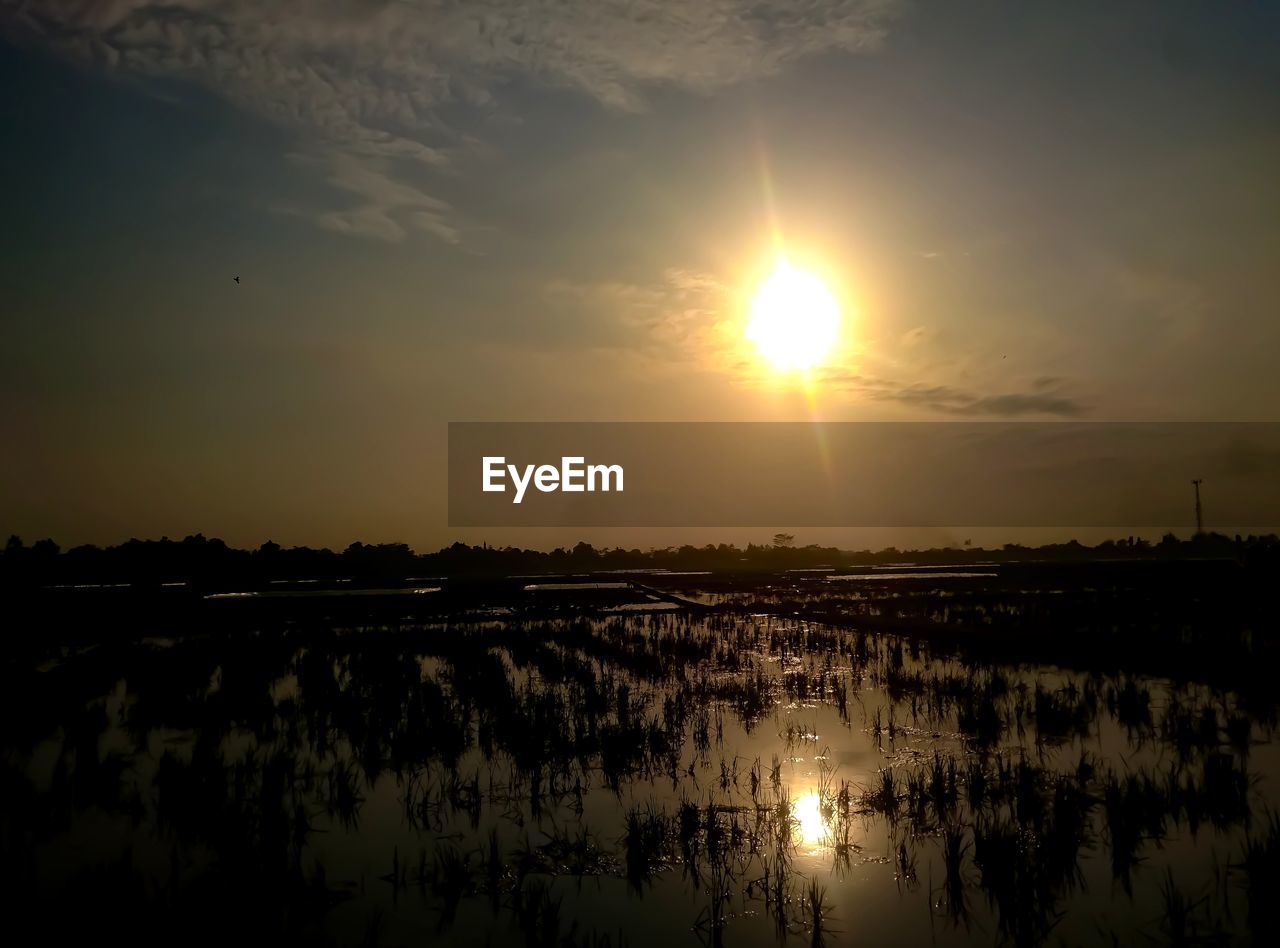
<point x="949" y="400"/>
<point x="369" y="81"/>
<point x="385" y="208"/>
<point x="685" y="316"/>
<point x="675" y="318"/>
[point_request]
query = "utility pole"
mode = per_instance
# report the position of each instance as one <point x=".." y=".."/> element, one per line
<point x="1199" y="513"/>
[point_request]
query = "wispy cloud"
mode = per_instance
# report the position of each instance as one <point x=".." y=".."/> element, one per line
<point x="384" y="208"/>
<point x="679" y="316"/>
<point x="369" y="80"/>
<point x="682" y="320"/>
<point x="1041" y="399"/>
<point x="686" y="315"/>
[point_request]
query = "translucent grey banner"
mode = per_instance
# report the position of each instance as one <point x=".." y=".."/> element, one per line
<point x="930" y="474"/>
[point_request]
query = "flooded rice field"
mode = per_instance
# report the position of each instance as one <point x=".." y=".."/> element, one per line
<point x="642" y="778"/>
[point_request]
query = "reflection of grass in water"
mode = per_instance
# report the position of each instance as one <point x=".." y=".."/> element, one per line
<point x="882" y="796"/>
<point x="954" y="847"/>
<point x="1261" y="867"/>
<point x="711" y="921"/>
<point x="646" y="844"/>
<point x="1184" y="920"/>
<point x="546" y="713"/>
<point x="373" y="929"/>
<point x="817" y="913"/>
<point x="906" y="867"/>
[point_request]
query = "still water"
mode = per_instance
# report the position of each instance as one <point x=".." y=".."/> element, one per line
<point x="637" y="779"/>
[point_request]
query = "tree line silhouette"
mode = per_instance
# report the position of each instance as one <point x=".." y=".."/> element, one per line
<point x="211" y="562"/>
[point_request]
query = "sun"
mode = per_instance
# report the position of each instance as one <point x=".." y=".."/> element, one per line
<point x="795" y="319"/>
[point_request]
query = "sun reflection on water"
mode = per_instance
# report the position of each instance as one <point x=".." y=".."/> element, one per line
<point x="810" y="827"/>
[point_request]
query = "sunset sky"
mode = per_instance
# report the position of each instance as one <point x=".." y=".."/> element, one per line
<point x="560" y="211"/>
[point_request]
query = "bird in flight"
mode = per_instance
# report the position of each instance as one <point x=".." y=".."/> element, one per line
<point x="237" y="279"/>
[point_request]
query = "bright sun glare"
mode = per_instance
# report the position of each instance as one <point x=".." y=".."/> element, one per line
<point x="794" y="319"/>
<point x="810" y="827"/>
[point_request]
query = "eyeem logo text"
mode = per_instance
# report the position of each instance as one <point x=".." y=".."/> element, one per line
<point x="574" y="475"/>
